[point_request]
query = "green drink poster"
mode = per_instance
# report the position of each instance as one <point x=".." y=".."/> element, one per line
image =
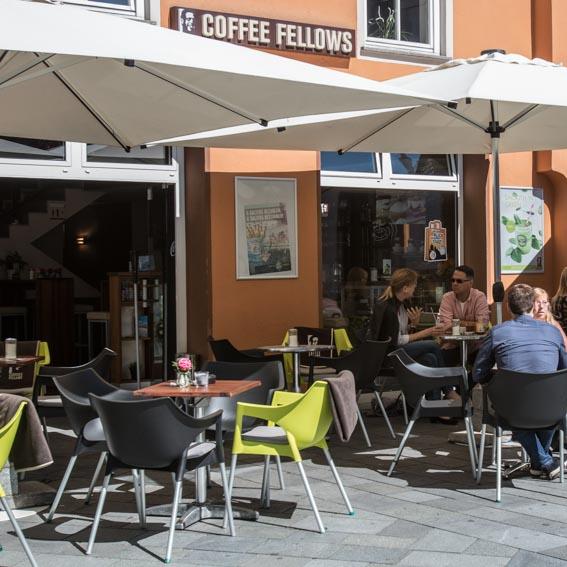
<point x="521" y="230"/>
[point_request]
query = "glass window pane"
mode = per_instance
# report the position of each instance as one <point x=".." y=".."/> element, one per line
<point x="414" y="20"/>
<point x="154" y="155"/>
<point x="366" y="235"/>
<point x="381" y="19"/>
<point x="361" y="162"/>
<point x="421" y="164"/>
<point x="28" y="148"/>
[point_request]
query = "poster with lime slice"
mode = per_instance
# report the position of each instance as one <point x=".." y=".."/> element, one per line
<point x="521" y="230"/>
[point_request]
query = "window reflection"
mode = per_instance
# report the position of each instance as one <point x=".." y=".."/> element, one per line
<point x="154" y="155"/>
<point x="421" y="164"/>
<point x="361" y="162"/>
<point x="29" y="148"/>
<point x="366" y="235"/>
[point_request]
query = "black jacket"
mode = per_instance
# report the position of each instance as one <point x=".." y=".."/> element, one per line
<point x="385" y="323"/>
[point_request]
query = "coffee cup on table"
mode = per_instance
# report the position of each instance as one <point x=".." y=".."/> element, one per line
<point x="202" y="378"/>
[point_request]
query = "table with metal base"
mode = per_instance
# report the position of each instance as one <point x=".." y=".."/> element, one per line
<point x="296" y="351"/>
<point x="200" y="508"/>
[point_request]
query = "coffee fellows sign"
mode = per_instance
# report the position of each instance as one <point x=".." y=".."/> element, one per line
<point x="261" y="32"/>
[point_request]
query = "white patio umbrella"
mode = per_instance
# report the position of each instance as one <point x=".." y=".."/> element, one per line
<point x="67" y="73"/>
<point x="506" y="103"/>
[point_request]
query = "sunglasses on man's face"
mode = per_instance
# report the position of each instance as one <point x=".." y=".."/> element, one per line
<point x="459" y="280"/>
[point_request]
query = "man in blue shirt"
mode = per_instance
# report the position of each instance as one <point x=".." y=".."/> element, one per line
<point x="525" y="345"/>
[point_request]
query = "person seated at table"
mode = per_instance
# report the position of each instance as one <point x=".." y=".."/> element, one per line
<point x="394" y="318"/>
<point x="467" y="304"/>
<point x="542" y="311"/>
<point x="525" y="344"/>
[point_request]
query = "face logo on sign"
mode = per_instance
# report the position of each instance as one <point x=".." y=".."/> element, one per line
<point x="187" y="21"/>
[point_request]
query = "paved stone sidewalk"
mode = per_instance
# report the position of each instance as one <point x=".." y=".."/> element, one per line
<point x="430" y="513"/>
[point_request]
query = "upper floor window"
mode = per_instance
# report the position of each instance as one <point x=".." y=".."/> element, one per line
<point x="27" y="148"/>
<point x="411" y="26"/>
<point x="355" y="162"/>
<point x="126" y="7"/>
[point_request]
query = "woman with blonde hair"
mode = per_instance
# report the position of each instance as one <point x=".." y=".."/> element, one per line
<point x="559" y="301"/>
<point x="543" y="313"/>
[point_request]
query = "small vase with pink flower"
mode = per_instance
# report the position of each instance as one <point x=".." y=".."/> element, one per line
<point x="184" y="368"/>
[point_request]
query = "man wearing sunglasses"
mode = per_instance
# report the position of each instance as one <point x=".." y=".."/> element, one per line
<point x="465" y="303"/>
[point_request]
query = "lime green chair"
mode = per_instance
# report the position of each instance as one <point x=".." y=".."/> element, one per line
<point x="7" y="435"/>
<point x="295" y="422"/>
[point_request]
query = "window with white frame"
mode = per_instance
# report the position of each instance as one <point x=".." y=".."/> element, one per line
<point x="404" y="25"/>
<point x="126" y="7"/>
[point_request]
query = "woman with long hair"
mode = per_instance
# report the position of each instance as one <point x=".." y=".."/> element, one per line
<point x="394" y="318"/>
<point x="559" y="301"/>
<point x="543" y="313"/>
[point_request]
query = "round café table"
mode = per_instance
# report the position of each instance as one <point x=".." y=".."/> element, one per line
<point x="296" y="351"/>
<point x="201" y="509"/>
<point x="463" y="341"/>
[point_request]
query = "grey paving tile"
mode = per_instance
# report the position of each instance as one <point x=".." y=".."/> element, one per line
<point x="441" y="540"/>
<point x="389" y="556"/>
<point x="527" y="559"/>
<point x="439" y="559"/>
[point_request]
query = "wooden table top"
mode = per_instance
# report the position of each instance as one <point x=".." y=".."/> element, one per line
<point x="19" y="361"/>
<point x="219" y="389"/>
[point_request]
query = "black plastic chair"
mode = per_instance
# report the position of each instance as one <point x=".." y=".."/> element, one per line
<point x="156" y="435"/>
<point x="272" y="377"/>
<point x="416" y="381"/>
<point x="520" y="400"/>
<point x="364" y="362"/>
<point x="52" y="406"/>
<point x="225" y="351"/>
<point x="74" y="389"/>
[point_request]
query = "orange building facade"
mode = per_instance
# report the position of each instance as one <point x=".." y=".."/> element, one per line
<point x="258" y="311"/>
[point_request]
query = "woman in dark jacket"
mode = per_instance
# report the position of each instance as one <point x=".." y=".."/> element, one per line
<point x="394" y="318"/>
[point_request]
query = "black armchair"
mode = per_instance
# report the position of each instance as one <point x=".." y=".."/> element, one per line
<point x="169" y="444"/>
<point x="74" y="389"/>
<point x="52" y="406"/>
<point x="416" y="381"/>
<point x="519" y="400"/>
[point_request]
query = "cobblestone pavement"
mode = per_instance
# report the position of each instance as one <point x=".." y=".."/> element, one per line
<point x="429" y="513"/>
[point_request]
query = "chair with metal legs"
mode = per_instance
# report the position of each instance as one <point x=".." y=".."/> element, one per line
<point x="295" y="422"/>
<point x="364" y="362"/>
<point x="74" y="389"/>
<point x="154" y="434"/>
<point x="7" y="436"/>
<point x="416" y="381"/>
<point x="524" y="401"/>
<point x="272" y="378"/>
<point x="49" y="406"/>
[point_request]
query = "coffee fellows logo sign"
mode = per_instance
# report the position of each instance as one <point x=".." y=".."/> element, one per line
<point x="261" y="32"/>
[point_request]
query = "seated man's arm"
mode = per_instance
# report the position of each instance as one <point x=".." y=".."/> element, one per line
<point x="446" y="311"/>
<point x="482" y="371"/>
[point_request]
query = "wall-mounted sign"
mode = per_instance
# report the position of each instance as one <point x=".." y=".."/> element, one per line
<point x="521" y="230"/>
<point x="263" y="32"/>
<point x="435" y="242"/>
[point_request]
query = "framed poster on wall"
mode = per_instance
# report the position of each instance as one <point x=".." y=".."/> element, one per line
<point x="266" y="227"/>
<point x="521" y="230"/>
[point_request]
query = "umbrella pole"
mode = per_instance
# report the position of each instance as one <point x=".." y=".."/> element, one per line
<point x="496" y="202"/>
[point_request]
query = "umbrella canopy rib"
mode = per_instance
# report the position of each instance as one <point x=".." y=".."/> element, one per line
<point x="24" y="68"/>
<point x="213" y="100"/>
<point x="373" y="132"/>
<point x="515" y="119"/>
<point x="90" y="109"/>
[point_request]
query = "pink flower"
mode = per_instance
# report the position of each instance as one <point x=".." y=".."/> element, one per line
<point x="184" y="364"/>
